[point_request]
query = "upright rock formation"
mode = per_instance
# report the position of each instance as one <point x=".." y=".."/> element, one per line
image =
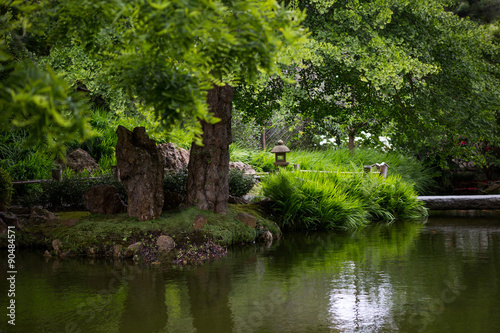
<point x="141" y="172"/>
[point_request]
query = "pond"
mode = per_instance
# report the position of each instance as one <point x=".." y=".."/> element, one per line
<point x="442" y="276"/>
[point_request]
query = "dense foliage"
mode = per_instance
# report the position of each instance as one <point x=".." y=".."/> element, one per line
<point x="6" y="189"/>
<point x="123" y="54"/>
<point x="68" y="193"/>
<point x="239" y="183"/>
<point x="484" y="11"/>
<point x="410" y="70"/>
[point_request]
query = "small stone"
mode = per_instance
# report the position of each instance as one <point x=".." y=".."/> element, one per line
<point x="247" y="219"/>
<point x="3" y="227"/>
<point x="47" y="254"/>
<point x="133" y="248"/>
<point x="266" y="237"/>
<point x="57" y="245"/>
<point x="41" y="216"/>
<point x="199" y="222"/>
<point x="237" y="201"/>
<point x="117" y="250"/>
<point x="165" y="243"/>
<point x="91" y="252"/>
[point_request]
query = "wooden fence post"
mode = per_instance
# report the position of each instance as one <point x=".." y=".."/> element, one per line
<point x="57" y="174"/>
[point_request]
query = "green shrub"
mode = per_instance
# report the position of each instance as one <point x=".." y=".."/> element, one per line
<point x="176" y="181"/>
<point x="6" y="189"/>
<point x="68" y="193"/>
<point x="239" y="183"/>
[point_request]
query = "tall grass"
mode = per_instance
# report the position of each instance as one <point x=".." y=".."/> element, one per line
<point x="23" y="161"/>
<point x="339" y="201"/>
<point x="408" y="168"/>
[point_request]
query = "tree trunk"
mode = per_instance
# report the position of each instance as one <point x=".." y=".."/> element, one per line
<point x="208" y="169"/>
<point x="351" y="141"/>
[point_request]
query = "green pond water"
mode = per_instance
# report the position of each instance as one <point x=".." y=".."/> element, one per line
<point x="442" y="276"/>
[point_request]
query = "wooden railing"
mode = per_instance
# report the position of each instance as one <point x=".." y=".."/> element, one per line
<point x="383" y="169"/>
<point x="56" y="175"/>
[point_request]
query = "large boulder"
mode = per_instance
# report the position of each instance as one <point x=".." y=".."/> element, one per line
<point x="79" y="160"/>
<point x="247" y="169"/>
<point x="175" y="158"/>
<point x="140" y="166"/>
<point x="104" y="199"/>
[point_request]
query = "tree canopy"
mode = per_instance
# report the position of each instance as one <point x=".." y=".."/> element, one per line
<point x="412" y="65"/>
<point x="165" y="54"/>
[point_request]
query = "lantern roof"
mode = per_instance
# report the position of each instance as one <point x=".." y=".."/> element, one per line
<point x="280" y="148"/>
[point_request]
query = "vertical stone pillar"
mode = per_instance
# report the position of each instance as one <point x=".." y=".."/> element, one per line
<point x="140" y="167"/>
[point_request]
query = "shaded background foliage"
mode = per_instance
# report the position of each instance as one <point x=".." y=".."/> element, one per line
<point x="404" y="70"/>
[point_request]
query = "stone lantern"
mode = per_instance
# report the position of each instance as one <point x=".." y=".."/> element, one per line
<point x="280" y="150"/>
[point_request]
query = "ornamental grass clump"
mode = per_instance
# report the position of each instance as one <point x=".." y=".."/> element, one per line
<point x="338" y="200"/>
<point x="303" y="201"/>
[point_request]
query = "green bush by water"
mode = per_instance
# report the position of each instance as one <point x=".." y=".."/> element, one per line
<point x="339" y="201"/>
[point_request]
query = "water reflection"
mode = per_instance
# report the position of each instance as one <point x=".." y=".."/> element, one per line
<point x="440" y="277"/>
<point x="361" y="300"/>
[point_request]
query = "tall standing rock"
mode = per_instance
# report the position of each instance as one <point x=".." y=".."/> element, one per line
<point x="208" y="170"/>
<point x="141" y="172"/>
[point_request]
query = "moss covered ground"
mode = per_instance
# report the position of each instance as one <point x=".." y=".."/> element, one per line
<point x="85" y="234"/>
